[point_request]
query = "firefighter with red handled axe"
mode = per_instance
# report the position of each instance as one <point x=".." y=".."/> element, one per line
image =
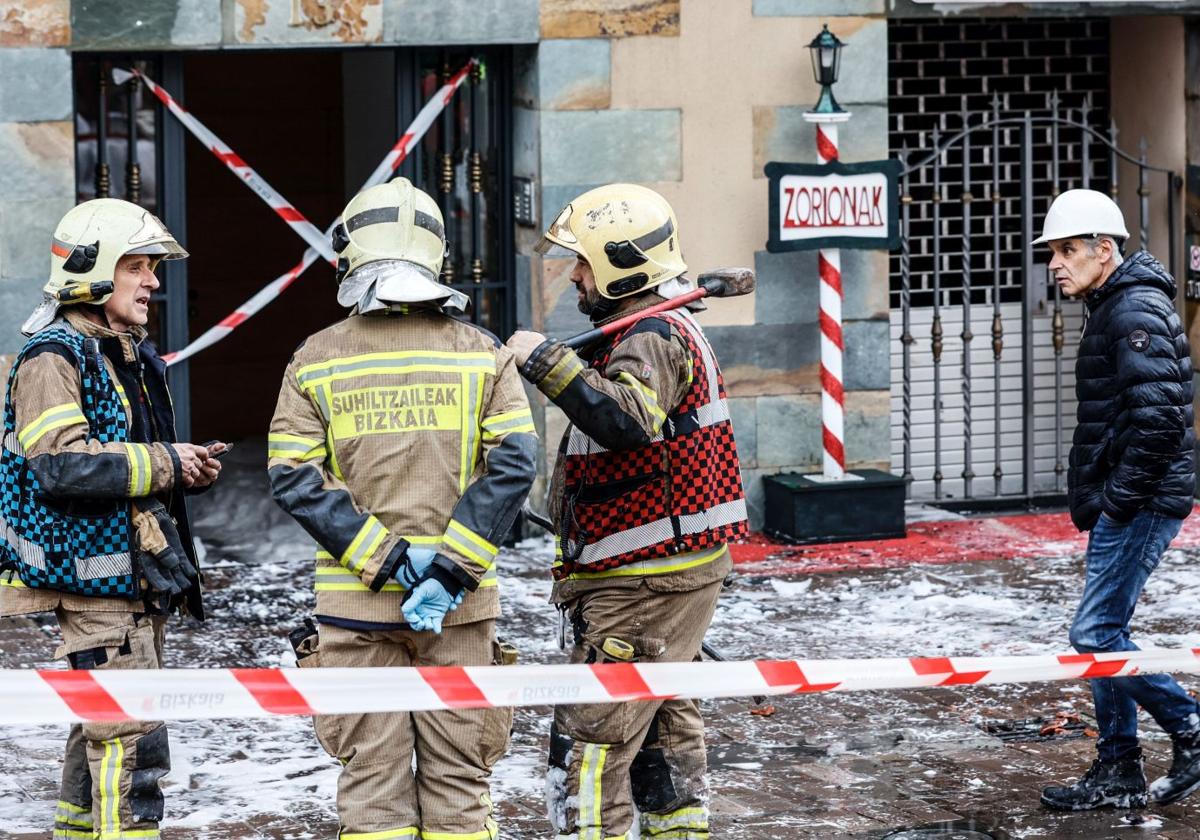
<point x="645" y="496"/>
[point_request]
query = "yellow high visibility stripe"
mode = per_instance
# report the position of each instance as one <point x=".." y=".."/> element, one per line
<point x="64" y="414"/>
<point x="368" y="538"/>
<point x="510" y="422"/>
<point x="12" y="580"/>
<point x="73" y="834"/>
<point x="336" y="579"/>
<point x="591" y="775"/>
<point x="295" y="447"/>
<point x="409" y="361"/>
<point x="121" y="394"/>
<point x="679" y="822"/>
<point x="561" y="375"/>
<point x="489" y="833"/>
<point x="130" y="835"/>
<point x="138" y="455"/>
<point x="472" y="546"/>
<point x="64" y="805"/>
<point x="110" y="787"/>
<point x="387" y="834"/>
<point x="658" y="566"/>
<point x="646" y="395"/>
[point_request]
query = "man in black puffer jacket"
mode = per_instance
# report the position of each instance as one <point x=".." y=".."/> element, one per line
<point x="1131" y="485"/>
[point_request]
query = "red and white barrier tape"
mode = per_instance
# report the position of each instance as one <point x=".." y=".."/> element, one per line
<point x="71" y="696"/>
<point x="321" y="248"/>
<point x="282" y="207"/>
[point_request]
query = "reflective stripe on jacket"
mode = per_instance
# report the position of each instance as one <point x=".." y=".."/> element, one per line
<point x="402" y="428"/>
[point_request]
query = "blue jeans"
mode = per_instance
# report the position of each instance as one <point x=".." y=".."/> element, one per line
<point x="1120" y="558"/>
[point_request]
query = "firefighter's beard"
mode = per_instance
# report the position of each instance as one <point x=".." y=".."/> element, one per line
<point x="588" y="300"/>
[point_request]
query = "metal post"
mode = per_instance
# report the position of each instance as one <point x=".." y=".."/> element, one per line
<point x="446" y="182"/>
<point x="475" y="182"/>
<point x="102" y="178"/>
<point x="1029" y="299"/>
<point x="133" y="169"/>
<point x="967" y="198"/>
<point x="1143" y="199"/>
<point x="829" y="266"/>
<point x="172" y="201"/>
<point x="1085" y="151"/>
<point x="936" y="330"/>
<point x="997" y="323"/>
<point x="906" y="337"/>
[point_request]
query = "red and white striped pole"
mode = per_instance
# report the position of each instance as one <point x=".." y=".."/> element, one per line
<point x="829" y="264"/>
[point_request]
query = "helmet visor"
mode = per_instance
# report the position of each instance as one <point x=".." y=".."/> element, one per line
<point x="559" y="240"/>
<point x="167" y="250"/>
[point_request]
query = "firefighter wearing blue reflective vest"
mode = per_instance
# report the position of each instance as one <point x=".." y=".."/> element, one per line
<point x="92" y="482"/>
<point x="403" y="443"/>
<point x="646" y="493"/>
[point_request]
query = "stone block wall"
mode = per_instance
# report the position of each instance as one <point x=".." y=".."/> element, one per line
<point x="37" y="180"/>
<point x="689" y="97"/>
<point x="692" y="98"/>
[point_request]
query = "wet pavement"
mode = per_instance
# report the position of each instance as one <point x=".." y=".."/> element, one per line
<point x="969" y="759"/>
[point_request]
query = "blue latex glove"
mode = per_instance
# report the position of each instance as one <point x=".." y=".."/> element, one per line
<point x="427" y="605"/>
<point x="416" y="562"/>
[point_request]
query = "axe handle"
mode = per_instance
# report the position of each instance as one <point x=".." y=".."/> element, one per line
<point x="585" y="338"/>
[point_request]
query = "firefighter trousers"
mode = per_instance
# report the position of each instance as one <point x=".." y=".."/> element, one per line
<point x="111" y="770"/>
<point x="607" y="758"/>
<point x="380" y="797"/>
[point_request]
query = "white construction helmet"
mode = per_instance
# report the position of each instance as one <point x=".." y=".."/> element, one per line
<point x="88" y="242"/>
<point x="390" y="245"/>
<point x="1082" y="213"/>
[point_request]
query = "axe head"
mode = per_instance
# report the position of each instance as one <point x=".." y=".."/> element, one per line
<point x="727" y="282"/>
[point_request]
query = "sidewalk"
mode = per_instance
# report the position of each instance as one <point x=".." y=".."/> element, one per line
<point x="827" y="767"/>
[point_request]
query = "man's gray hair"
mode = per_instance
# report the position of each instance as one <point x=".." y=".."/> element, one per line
<point x="1092" y="241"/>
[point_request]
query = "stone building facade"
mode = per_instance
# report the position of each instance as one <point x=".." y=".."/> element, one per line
<point x="689" y="97"/>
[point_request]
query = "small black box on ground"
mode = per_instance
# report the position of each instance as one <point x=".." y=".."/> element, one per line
<point x="804" y="509"/>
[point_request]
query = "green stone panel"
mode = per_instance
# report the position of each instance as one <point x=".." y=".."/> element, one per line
<point x="867" y="361"/>
<point x="789" y="430"/>
<point x="35" y="85"/>
<point x="574" y="74"/>
<point x="460" y="21"/>
<point x="782" y="134"/>
<point x="788" y="286"/>
<point x="600" y="147"/>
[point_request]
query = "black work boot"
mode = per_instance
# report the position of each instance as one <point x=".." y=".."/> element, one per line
<point x="1116" y="784"/>
<point x="1184" y="775"/>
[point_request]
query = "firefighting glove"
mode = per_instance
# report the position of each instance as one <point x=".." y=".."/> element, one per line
<point x="437" y="593"/>
<point x="164" y="564"/>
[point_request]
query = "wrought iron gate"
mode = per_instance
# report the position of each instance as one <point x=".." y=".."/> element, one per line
<point x="127" y="148"/>
<point x="977" y="421"/>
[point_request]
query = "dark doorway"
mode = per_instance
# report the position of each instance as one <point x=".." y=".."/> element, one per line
<point x="283" y="114"/>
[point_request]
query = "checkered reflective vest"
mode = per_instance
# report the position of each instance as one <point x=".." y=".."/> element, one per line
<point x="48" y="546"/>
<point x="681" y="492"/>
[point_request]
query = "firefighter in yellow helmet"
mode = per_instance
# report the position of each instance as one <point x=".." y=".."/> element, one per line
<point x="645" y="495"/>
<point x="92" y="496"/>
<point x="403" y="443"/>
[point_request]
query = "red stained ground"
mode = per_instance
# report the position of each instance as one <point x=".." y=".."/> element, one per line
<point x="956" y="541"/>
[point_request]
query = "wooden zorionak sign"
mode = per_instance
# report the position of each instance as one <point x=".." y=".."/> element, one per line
<point x="833" y="205"/>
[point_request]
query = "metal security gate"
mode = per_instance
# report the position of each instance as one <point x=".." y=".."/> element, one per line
<point x="984" y="344"/>
<point x="127" y="147"/>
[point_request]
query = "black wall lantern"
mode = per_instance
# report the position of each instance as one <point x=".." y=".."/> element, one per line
<point x="827" y="63"/>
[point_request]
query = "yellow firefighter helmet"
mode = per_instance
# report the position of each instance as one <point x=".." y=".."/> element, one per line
<point x="88" y="242"/>
<point x="390" y="243"/>
<point x="627" y="233"/>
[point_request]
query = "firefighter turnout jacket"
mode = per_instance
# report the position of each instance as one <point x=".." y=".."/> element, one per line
<point x="396" y="428"/>
<point x="81" y="474"/>
<point x="647" y="481"/>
